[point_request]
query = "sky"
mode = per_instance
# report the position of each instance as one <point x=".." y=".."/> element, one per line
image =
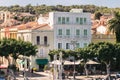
<point x="106" y="3"/>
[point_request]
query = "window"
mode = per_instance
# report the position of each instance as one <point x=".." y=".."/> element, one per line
<point x="67" y="45"/>
<point x="77" y="32"/>
<point x="85" y="44"/>
<point x="41" y="52"/>
<point x="85" y="32"/>
<point x="60" y="32"/>
<point x="85" y="20"/>
<point x="67" y="20"/>
<point x="59" y="45"/>
<point x="38" y="40"/>
<point x="77" y="45"/>
<point x="77" y="20"/>
<point x="63" y="20"/>
<point x="81" y="20"/>
<point x="59" y="19"/>
<point x="67" y="31"/>
<point x="45" y="40"/>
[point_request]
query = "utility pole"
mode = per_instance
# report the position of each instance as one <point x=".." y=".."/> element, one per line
<point x="73" y="42"/>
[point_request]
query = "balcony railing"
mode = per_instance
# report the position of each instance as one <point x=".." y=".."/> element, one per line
<point x="77" y="37"/>
<point x="45" y="45"/>
<point x="60" y="36"/>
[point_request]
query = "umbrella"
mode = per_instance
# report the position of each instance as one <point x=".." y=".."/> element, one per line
<point x="68" y="62"/>
<point x="3" y="66"/>
<point x="92" y="62"/>
<point x="72" y="63"/>
<point x="57" y="62"/>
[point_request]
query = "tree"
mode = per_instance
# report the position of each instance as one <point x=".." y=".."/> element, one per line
<point x="98" y="15"/>
<point x="5" y="48"/>
<point x="52" y="53"/>
<point x="85" y="54"/>
<point x="14" y="48"/>
<point x="117" y="56"/>
<point x="114" y="26"/>
<point x="106" y="54"/>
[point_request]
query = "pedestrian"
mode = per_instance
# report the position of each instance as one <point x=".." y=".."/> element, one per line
<point x="32" y="70"/>
<point x="23" y="73"/>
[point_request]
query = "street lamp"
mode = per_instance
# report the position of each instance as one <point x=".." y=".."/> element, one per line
<point x="73" y="42"/>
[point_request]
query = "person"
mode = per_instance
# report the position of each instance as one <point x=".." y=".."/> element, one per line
<point x="32" y="70"/>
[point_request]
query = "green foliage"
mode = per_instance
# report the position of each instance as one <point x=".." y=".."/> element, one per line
<point x="42" y="9"/>
<point x="46" y="67"/>
<point x="14" y="48"/>
<point x="114" y="26"/>
<point x="98" y="15"/>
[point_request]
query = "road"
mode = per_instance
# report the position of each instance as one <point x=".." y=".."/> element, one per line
<point x="48" y="76"/>
<point x="34" y="76"/>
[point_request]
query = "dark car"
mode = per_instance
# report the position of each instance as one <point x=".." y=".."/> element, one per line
<point x="3" y="72"/>
<point x="2" y="78"/>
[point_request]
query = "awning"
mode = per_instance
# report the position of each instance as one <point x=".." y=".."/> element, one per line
<point x="41" y="61"/>
<point x="3" y="66"/>
<point x="92" y="62"/>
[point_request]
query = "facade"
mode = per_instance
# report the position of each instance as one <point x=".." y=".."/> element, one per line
<point x="4" y="16"/>
<point x="59" y="30"/>
<point x="71" y="29"/>
<point x="100" y="32"/>
<point x="9" y="32"/>
<point x="42" y="36"/>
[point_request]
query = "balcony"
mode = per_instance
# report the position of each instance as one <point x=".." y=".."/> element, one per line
<point x="44" y="45"/>
<point x="67" y="36"/>
<point x="60" y="36"/>
<point x="77" y="37"/>
<point x="84" y="37"/>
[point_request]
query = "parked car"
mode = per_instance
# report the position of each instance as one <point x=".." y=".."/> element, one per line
<point x="2" y="78"/>
<point x="118" y="75"/>
<point x="3" y="72"/>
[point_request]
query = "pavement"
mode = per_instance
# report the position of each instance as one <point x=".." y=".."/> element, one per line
<point x="48" y="76"/>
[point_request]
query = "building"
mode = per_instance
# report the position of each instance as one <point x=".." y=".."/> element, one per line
<point x="100" y="32"/>
<point x="58" y="30"/>
<point x="40" y="35"/>
<point x="71" y="28"/>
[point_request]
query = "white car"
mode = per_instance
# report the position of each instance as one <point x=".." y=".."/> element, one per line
<point x="118" y="75"/>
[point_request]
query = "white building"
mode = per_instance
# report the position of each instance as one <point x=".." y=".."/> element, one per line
<point x="70" y="28"/>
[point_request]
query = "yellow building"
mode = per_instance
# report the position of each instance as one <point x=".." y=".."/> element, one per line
<point x="9" y="33"/>
<point x="40" y="35"/>
<point x="103" y="38"/>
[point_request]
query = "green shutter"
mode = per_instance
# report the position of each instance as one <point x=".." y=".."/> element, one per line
<point x="85" y="44"/>
<point x="77" y="20"/>
<point x="59" y="19"/>
<point x="63" y="20"/>
<point x="67" y="20"/>
<point x="85" y="32"/>
<point x="67" y="32"/>
<point x="81" y="20"/>
<point x="60" y="32"/>
<point x="77" y="45"/>
<point x="77" y="32"/>
<point x="85" y="20"/>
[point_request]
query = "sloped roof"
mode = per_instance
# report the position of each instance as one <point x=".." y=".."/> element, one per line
<point x="34" y="26"/>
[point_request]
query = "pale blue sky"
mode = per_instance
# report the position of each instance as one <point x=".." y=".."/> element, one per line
<point x="108" y="3"/>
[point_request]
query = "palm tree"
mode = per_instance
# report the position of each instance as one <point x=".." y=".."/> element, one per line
<point x="114" y="26"/>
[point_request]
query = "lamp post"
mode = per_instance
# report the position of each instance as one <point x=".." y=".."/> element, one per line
<point x="60" y="66"/>
<point x="73" y="42"/>
<point x="24" y="73"/>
